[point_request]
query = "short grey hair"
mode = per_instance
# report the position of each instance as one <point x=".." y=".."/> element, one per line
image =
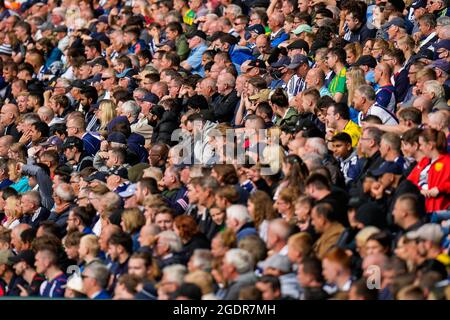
<point x="171" y="239"/>
<point x="319" y="145"/>
<point x="443" y="21"/>
<point x="65" y="192"/>
<point x="235" y="9"/>
<point x="238" y="212"/>
<point x="435" y="87"/>
<point x="202" y="259"/>
<point x="34" y="197"/>
<point x="99" y="272"/>
<point x="241" y="259"/>
<point x="132" y="108"/>
<point x="175" y="273"/>
<point x="367" y="92"/>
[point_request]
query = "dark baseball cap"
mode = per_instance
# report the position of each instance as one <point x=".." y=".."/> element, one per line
<point x="52" y="141"/>
<point x="257" y="64"/>
<point x="118" y="137"/>
<point x="71" y="142"/>
<point x="256" y="28"/>
<point x="284" y="61"/>
<point x="99" y="175"/>
<point x="419" y="4"/>
<point x="442" y="64"/>
<point x="442" y="44"/>
<point x="387" y="167"/>
<point x="196" y="33"/>
<point x="119" y="171"/>
<point x="99" y="60"/>
<point x="397" y="21"/>
<point x="150" y="97"/>
<point x="25" y="255"/>
<point x="297" y="61"/>
<point x="366" y="60"/>
<point x="299" y="44"/>
<point x="103" y="18"/>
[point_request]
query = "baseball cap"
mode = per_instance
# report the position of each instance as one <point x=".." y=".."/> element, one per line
<point x="99" y="60"/>
<point x="279" y="262"/>
<point x="52" y="141"/>
<point x="302" y="28"/>
<point x="99" y="175"/>
<point x="387" y="167"/>
<point x="299" y="44"/>
<point x="442" y="44"/>
<point x="103" y="18"/>
<point x="5" y="255"/>
<point x="136" y="172"/>
<point x="80" y="84"/>
<point x="166" y="42"/>
<point x="26" y="255"/>
<point x="119" y="171"/>
<point x="46" y="26"/>
<point x="366" y="60"/>
<point x="397" y="21"/>
<point x="130" y="190"/>
<point x="442" y="64"/>
<point x="419" y="4"/>
<point x="150" y="97"/>
<point x="257" y="64"/>
<point x="282" y="62"/>
<point x="430" y="231"/>
<point x="102" y="37"/>
<point x="297" y="61"/>
<point x="262" y="95"/>
<point x="71" y="142"/>
<point x="118" y="137"/>
<point x="196" y="33"/>
<point x="256" y="28"/>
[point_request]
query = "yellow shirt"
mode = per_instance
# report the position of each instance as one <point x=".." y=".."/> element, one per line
<point x="354" y="131"/>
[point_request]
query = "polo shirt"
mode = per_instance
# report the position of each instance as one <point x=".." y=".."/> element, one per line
<point x="338" y="83"/>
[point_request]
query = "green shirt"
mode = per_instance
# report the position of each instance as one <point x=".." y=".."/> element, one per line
<point x="338" y="83"/>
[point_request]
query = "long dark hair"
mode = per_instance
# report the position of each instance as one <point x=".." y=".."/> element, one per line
<point x="298" y="172"/>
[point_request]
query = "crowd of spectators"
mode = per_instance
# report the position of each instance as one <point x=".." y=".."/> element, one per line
<point x="225" y="149"/>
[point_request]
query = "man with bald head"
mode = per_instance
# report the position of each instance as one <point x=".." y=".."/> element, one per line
<point x="5" y="144"/>
<point x="8" y="117"/>
<point x="263" y="46"/>
<point x="385" y="95"/>
<point x="16" y="240"/>
<point x="225" y="105"/>
<point x="315" y="78"/>
<point x="424" y="105"/>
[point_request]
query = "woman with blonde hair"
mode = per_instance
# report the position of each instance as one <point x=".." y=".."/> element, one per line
<point x="379" y="48"/>
<point x="13" y="212"/>
<point x="132" y="222"/>
<point x="354" y="51"/>
<point x="105" y="113"/>
<point x="285" y="204"/>
<point x="260" y="208"/>
<point x="20" y="181"/>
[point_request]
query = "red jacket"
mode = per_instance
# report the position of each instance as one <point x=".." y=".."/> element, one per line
<point x="438" y="176"/>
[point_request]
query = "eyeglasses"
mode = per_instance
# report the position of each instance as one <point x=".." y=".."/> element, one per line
<point x="374" y="49"/>
<point x="106" y="78"/>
